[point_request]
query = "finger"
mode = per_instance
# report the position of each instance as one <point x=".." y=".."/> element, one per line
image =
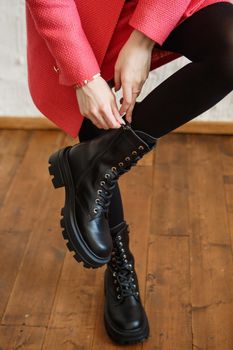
<point x="110" y="118"/>
<point x="117" y="80"/>
<point x="130" y="109"/>
<point x="94" y="122"/>
<point x="116" y="111"/>
<point x="117" y="114"/>
<point x="99" y="121"/>
<point x="127" y="97"/>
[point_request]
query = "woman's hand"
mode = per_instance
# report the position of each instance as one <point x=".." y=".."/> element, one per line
<point x="98" y="103"/>
<point x="132" y="69"/>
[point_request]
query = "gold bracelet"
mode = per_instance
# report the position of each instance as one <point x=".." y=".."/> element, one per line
<point x="86" y="81"/>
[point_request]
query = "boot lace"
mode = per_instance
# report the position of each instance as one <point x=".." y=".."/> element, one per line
<point x="123" y="271"/>
<point x="110" y="179"/>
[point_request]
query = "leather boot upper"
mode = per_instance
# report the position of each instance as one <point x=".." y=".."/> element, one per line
<point x="123" y="303"/>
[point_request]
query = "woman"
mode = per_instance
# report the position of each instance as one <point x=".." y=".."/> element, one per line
<point x="70" y="43"/>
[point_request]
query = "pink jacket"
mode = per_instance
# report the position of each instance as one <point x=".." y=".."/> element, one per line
<point x="71" y="40"/>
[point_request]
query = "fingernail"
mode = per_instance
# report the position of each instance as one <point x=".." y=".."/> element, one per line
<point x="120" y="119"/>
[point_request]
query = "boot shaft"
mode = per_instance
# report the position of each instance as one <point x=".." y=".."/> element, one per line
<point x="117" y="148"/>
<point x="97" y="164"/>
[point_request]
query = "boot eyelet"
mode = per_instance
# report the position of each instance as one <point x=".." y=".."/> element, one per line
<point x="118" y="297"/>
<point x="124" y="256"/>
<point x="106" y="175"/>
<point x="127" y="159"/>
<point x="121" y="244"/>
<point x="99" y="191"/>
<point x="102" y="183"/>
<point x="126" y="260"/>
<point x="114" y="274"/>
<point x="121" y="163"/>
<point x="117" y="289"/>
<point x="137" y="293"/>
<point x="134" y="286"/>
<point x="97" y="200"/>
<point x="95" y="210"/>
<point x="140" y="147"/>
<point x="122" y="250"/>
<point x="113" y="168"/>
<point x="130" y="265"/>
<point x="119" y="237"/>
<point x="134" y="152"/>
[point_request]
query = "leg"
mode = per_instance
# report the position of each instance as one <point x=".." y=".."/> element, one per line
<point x="206" y="38"/>
<point x="116" y="215"/>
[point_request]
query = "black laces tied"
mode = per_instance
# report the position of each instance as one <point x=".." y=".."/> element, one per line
<point x="124" y="275"/>
<point x="110" y="179"/>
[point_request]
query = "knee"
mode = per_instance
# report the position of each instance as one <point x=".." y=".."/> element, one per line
<point x="222" y="60"/>
<point x="224" y="68"/>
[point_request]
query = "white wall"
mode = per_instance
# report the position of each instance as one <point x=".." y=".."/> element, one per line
<point x="15" y="99"/>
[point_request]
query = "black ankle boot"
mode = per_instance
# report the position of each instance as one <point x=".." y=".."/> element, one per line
<point x="89" y="171"/>
<point x="124" y="316"/>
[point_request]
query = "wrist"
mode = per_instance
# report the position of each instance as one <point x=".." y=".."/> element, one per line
<point x="86" y="81"/>
<point x="142" y="39"/>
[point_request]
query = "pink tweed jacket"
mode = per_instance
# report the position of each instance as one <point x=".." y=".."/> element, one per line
<point x="71" y="40"/>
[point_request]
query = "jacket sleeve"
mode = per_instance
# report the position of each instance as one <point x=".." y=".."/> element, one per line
<point x="59" y="24"/>
<point x="157" y="18"/>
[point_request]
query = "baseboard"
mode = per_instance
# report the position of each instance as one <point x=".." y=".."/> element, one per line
<point x="196" y="127"/>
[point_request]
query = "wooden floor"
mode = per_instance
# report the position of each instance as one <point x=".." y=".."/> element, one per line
<point x="178" y="203"/>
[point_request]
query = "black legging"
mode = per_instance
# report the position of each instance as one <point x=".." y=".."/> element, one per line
<point x="205" y="38"/>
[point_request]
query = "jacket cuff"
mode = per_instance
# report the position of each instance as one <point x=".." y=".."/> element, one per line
<point x="156" y="19"/>
<point x="59" y="25"/>
<point x="71" y="74"/>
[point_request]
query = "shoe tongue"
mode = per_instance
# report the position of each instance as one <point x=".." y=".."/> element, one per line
<point x="117" y="228"/>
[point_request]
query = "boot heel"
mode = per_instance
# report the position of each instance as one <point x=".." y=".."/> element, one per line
<point x="55" y="170"/>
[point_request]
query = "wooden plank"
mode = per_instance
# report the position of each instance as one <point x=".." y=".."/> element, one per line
<point x="168" y="294"/>
<point x="206" y="127"/>
<point x="191" y="127"/>
<point x="21" y="337"/>
<point x="136" y="190"/>
<point x="13" y="145"/>
<point x="30" y="249"/>
<point x="14" y="142"/>
<point x="210" y="249"/>
<point x="226" y="153"/>
<point x="168" y="280"/>
<point x="29" y="123"/>
<point x="68" y="338"/>
<point x="170" y="189"/>
<point x="73" y="315"/>
<point x="76" y="298"/>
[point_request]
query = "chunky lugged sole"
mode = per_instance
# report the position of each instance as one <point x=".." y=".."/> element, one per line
<point x="60" y="170"/>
